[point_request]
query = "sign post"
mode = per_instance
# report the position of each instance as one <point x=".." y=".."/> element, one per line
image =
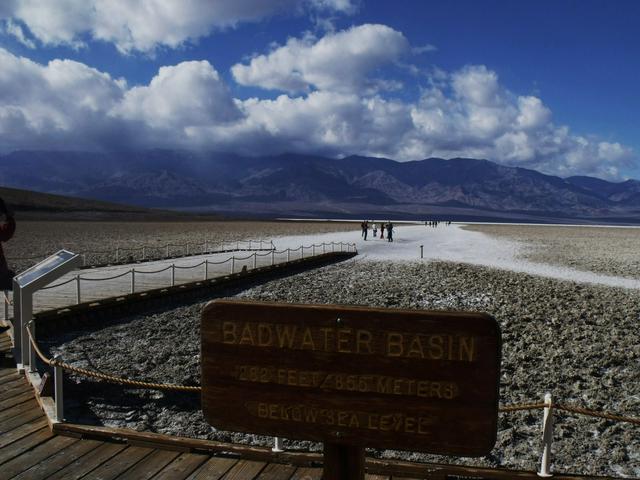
<point x="353" y="377"/>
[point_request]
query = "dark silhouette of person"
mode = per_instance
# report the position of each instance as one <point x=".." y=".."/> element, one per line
<point x="390" y="231"/>
<point x="7" y="229"/>
<point x="381" y="230"/>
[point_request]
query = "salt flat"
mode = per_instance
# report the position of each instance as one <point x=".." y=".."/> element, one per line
<point x="456" y="244"/>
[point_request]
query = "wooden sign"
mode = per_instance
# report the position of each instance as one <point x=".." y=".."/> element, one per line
<point x="384" y="378"/>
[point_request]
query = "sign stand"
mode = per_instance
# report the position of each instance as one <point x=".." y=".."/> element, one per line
<point x="343" y="462"/>
<point x="24" y="286"/>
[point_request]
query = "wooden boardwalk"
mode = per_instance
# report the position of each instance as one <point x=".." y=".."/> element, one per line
<point x="116" y="280"/>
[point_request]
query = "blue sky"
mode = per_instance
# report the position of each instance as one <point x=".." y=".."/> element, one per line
<point x="551" y="85"/>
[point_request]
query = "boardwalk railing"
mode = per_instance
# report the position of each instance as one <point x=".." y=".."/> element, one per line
<point x="235" y="264"/>
<point x="145" y="253"/>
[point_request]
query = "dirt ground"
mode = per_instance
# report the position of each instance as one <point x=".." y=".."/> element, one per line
<point x="607" y="250"/>
<point x="36" y="240"/>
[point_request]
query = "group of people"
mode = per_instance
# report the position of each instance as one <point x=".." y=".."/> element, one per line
<point x="382" y="226"/>
<point x="435" y="223"/>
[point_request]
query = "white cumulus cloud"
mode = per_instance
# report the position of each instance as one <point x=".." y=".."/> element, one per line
<point x="147" y="24"/>
<point x="341" y="61"/>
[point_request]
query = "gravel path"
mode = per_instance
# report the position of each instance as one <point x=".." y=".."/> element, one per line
<point x="580" y="342"/>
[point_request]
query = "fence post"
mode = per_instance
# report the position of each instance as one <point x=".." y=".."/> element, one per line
<point x="78" y="289"/>
<point x="206" y="269"/>
<point x="6" y="305"/>
<point x="57" y="384"/>
<point x="273" y="257"/>
<point x="547" y="438"/>
<point x="237" y="245"/>
<point x="233" y="264"/>
<point x="249" y="244"/>
<point x="255" y="260"/>
<point x="32" y="351"/>
<point x="277" y="447"/>
<point x="133" y="280"/>
<point x="173" y="274"/>
<point x="421" y="251"/>
<point x="84" y="260"/>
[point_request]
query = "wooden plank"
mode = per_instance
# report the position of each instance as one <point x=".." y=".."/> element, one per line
<point x="304" y="473"/>
<point x="14" y="389"/>
<point x="214" y="469"/>
<point x="182" y="467"/>
<point x="21" y="431"/>
<point x="10" y="378"/>
<point x="45" y="468"/>
<point x="117" y="465"/>
<point x="18" y="409"/>
<point x="18" y="399"/>
<point x="83" y="465"/>
<point x="31" y="458"/>
<point x="24" y="445"/>
<point x="150" y="465"/>
<point x="387" y="378"/>
<point x="21" y="419"/>
<point x="14" y="382"/>
<point x="369" y="476"/>
<point x="276" y="471"/>
<point x="244" y="470"/>
<point x="8" y="371"/>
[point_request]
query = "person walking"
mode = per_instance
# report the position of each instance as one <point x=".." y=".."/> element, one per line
<point x="381" y="230"/>
<point x="365" y="229"/>
<point x="390" y="231"/>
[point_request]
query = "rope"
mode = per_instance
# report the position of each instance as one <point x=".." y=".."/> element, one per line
<point x="109" y="378"/>
<point x="107" y="278"/>
<point x="153" y="271"/>
<point x="59" y="284"/>
<point x="184" y="388"/>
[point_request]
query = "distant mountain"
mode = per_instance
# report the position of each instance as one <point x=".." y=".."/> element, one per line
<point x="27" y="204"/>
<point x="304" y="185"/>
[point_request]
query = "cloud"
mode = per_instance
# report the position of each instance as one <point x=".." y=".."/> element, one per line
<point x="341" y="61"/>
<point x="16" y="31"/>
<point x="465" y="113"/>
<point x="146" y="25"/>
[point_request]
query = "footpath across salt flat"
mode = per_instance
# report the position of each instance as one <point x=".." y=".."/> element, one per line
<point x="453" y="243"/>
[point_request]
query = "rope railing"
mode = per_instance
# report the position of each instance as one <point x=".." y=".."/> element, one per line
<point x="509" y="408"/>
<point x="272" y="252"/>
<point x="120" y="254"/>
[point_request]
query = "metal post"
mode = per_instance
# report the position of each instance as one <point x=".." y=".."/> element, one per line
<point x="278" y="446"/>
<point x="57" y="382"/>
<point x="249" y="244"/>
<point x="78" y="289"/>
<point x="255" y="260"/>
<point x="32" y="350"/>
<point x="421" y="251"/>
<point x="273" y="257"/>
<point x="84" y="260"/>
<point x="173" y="274"/>
<point x="547" y="438"/>
<point x="133" y="280"/>
<point x="6" y="305"/>
<point x="17" y="324"/>
<point x="237" y="245"/>
<point x="233" y="264"/>
<point x="206" y="269"/>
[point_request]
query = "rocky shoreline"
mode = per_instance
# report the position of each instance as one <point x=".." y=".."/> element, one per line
<point x="580" y="342"/>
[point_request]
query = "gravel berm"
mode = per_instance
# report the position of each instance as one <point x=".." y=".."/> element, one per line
<point x="579" y="342"/>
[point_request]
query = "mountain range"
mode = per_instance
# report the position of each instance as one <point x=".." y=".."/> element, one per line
<point x="314" y="186"/>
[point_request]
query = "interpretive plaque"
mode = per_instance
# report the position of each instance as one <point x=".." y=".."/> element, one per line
<point x="402" y="379"/>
